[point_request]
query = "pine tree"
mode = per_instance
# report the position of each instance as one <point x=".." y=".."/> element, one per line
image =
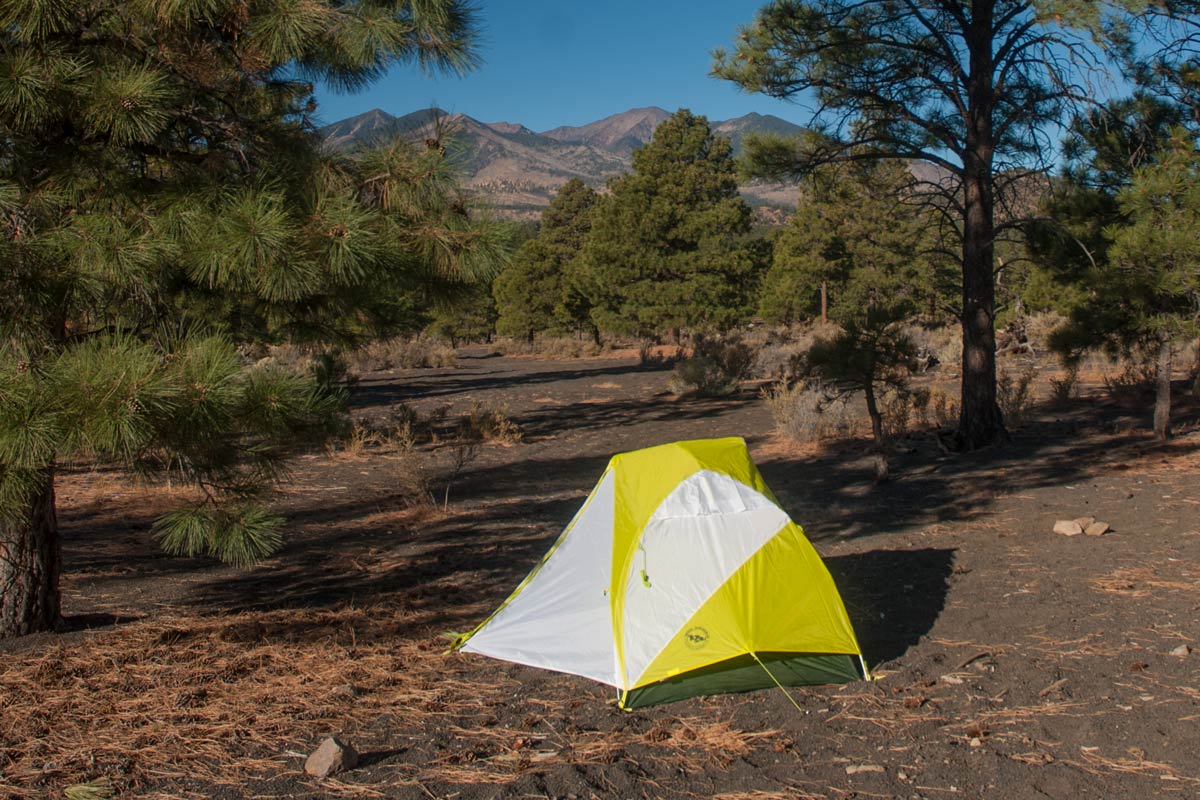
<point x="856" y="224"/>
<point x="670" y="247"/>
<point x="534" y="293"/>
<point x="1144" y="289"/>
<point x="971" y="86"/>
<point x="164" y="196"/>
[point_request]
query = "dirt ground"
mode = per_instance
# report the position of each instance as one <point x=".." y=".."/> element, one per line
<point x="1009" y="662"/>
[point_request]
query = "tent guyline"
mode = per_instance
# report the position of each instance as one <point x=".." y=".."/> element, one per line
<point x="679" y="576"/>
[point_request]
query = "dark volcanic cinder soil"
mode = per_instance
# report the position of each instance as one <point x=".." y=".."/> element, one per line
<point x="1010" y="662"/>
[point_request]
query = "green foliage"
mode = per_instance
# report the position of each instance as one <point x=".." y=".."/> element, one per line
<point x="873" y="355"/>
<point x="974" y="89"/>
<point x="859" y="230"/>
<point x="670" y="247"/>
<point x="535" y="293"/>
<point x="1153" y="277"/>
<point x="164" y="197"/>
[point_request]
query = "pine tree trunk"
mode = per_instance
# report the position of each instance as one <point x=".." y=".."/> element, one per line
<point x="1196" y="372"/>
<point x="880" y="444"/>
<point x="30" y="563"/>
<point x="824" y="303"/>
<point x="980" y="421"/>
<point x="1162" y="393"/>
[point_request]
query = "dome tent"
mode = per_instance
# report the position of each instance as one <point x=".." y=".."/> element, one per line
<point x="679" y="576"/>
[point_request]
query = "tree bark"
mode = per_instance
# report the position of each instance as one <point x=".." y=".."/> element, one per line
<point x="824" y="303"/>
<point x="30" y="564"/>
<point x="980" y="421"/>
<point x="880" y="443"/>
<point x="1196" y="372"/>
<point x="1162" y="392"/>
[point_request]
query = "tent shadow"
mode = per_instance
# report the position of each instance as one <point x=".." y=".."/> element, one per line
<point x="893" y="597"/>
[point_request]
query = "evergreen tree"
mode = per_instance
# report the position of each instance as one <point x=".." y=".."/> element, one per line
<point x="1144" y="290"/>
<point x="163" y="195"/>
<point x="856" y="223"/>
<point x="533" y="294"/>
<point x="670" y="247"/>
<point x="972" y="86"/>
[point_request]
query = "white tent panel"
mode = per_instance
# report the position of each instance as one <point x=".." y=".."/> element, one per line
<point x="562" y="618"/>
<point x="696" y="539"/>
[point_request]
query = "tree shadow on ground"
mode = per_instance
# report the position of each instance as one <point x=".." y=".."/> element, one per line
<point x="890" y="614"/>
<point x="451" y="569"/>
<point x="392" y="388"/>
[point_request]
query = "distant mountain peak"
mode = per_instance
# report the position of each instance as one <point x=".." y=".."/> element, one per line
<point x="625" y="131"/>
<point x="518" y="170"/>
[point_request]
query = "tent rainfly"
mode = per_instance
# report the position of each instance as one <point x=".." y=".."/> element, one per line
<point x="680" y="576"/>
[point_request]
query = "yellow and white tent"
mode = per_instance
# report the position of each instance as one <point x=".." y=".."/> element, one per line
<point x="679" y="576"/>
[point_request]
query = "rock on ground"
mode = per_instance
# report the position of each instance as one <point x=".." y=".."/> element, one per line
<point x="333" y="756"/>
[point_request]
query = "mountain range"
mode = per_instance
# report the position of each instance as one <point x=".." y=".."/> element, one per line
<point x="518" y="170"/>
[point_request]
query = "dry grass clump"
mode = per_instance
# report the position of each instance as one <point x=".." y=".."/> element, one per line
<point x="551" y="347"/>
<point x="716" y="367"/>
<point x="942" y="409"/>
<point x="779" y="350"/>
<point x="484" y="423"/>
<point x="1065" y="388"/>
<point x="401" y="353"/>
<point x="1014" y="394"/>
<point x="943" y="344"/>
<point x="803" y="413"/>
<point x="1040" y="328"/>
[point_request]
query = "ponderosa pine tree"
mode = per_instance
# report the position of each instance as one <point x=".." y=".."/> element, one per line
<point x="163" y="195"/>
<point x="1143" y="285"/>
<point x="856" y="217"/>
<point x="670" y="246"/>
<point x="533" y="293"/>
<point x="972" y="86"/>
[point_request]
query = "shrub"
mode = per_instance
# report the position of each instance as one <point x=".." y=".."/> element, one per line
<point x="943" y="409"/>
<point x="548" y="347"/>
<point x="1134" y="382"/>
<point x="901" y="409"/>
<point x="401" y="353"/>
<point x="803" y="413"/>
<point x="1063" y="390"/>
<point x="488" y="424"/>
<point x="936" y="347"/>
<point x="1014" y="395"/>
<point x="702" y="376"/>
<point x="717" y="367"/>
<point x="1040" y="329"/>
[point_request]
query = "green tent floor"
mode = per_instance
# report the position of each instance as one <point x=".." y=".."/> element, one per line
<point x="744" y="673"/>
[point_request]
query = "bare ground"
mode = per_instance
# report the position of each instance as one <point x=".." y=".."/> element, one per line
<point x="1009" y="661"/>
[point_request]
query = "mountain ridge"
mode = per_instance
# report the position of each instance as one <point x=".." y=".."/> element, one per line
<point x="517" y="170"/>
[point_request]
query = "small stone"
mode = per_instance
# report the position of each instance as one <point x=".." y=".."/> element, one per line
<point x="1183" y="651"/>
<point x="1083" y="522"/>
<point x="1096" y="529"/>
<point x="332" y="757"/>
<point x="976" y="741"/>
<point x="1067" y="527"/>
<point x="344" y="692"/>
<point x="855" y="769"/>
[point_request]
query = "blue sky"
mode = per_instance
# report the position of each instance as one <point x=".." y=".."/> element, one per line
<point x="568" y="63"/>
